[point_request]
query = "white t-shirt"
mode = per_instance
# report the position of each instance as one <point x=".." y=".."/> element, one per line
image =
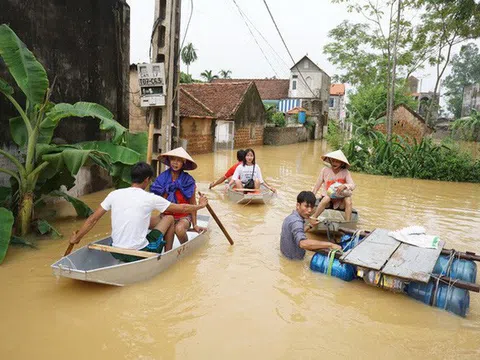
<point x="131" y="211"/>
<point x="244" y="173"/>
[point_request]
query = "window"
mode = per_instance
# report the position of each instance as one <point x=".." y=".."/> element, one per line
<point x="294" y="85"/>
<point x="331" y="102"/>
<point x="294" y="76"/>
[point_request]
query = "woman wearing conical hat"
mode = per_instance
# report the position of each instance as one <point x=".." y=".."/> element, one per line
<point x="178" y="186"/>
<point x="336" y="184"/>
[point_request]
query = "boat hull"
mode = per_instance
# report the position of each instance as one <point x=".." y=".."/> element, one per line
<point x="334" y="219"/>
<point x="264" y="197"/>
<point x="101" y="267"/>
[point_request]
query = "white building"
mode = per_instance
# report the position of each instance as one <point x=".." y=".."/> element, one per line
<point x="308" y="81"/>
<point x="336" y="104"/>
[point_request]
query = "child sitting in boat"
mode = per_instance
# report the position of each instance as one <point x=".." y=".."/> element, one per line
<point x="178" y="187"/>
<point x="293" y="241"/>
<point x="337" y="185"/>
<point x="230" y="172"/>
<point x="131" y="216"/>
<point x="248" y="175"/>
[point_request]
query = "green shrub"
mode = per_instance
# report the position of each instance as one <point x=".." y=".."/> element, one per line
<point x="334" y="134"/>
<point x="279" y="119"/>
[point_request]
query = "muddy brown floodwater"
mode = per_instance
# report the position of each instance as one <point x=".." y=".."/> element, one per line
<point x="246" y="301"/>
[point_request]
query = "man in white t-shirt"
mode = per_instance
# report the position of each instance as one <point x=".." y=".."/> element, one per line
<point x="131" y="216"/>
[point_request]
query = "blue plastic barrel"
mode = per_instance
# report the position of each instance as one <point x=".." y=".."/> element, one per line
<point x="452" y="299"/>
<point x="302" y="117"/>
<point x="348" y="242"/>
<point x="319" y="263"/>
<point x="460" y="269"/>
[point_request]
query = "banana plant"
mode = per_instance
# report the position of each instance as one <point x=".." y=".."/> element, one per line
<point x="47" y="167"/>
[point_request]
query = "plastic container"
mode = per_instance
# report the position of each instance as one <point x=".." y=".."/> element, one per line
<point x="460" y="269"/>
<point x="375" y="278"/>
<point x="347" y="242"/>
<point x="302" y="117"/>
<point x="452" y="299"/>
<point x="319" y="263"/>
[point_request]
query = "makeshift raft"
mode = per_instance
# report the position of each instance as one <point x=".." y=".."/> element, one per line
<point x="437" y="277"/>
<point x="250" y="196"/>
<point x="332" y="220"/>
<point x="95" y="263"/>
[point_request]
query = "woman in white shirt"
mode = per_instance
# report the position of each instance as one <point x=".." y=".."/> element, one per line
<point x="248" y="175"/>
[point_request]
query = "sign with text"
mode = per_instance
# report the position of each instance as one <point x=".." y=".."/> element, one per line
<point x="151" y="78"/>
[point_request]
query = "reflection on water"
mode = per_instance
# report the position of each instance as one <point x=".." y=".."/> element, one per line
<point x="246" y="300"/>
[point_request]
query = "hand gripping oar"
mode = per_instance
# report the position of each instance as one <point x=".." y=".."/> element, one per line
<point x="217" y="220"/>
<point x="70" y="246"/>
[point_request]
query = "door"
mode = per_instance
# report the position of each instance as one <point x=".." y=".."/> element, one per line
<point x="224" y="135"/>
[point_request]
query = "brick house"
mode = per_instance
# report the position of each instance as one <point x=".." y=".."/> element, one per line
<point x="407" y="123"/>
<point x="221" y="115"/>
<point x="271" y="90"/>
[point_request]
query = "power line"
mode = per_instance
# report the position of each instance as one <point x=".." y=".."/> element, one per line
<point x="263" y="37"/>
<point x="286" y="47"/>
<point x="254" y="38"/>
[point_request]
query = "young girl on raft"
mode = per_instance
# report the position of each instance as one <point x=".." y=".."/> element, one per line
<point x="247" y="173"/>
<point x="337" y="185"/>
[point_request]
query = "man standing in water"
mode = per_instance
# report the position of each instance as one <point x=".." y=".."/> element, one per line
<point x="131" y="216"/>
<point x="293" y="241"/>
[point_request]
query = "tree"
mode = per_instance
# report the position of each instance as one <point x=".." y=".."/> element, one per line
<point x="465" y="71"/>
<point x="189" y="55"/>
<point x="446" y="23"/>
<point x="208" y="75"/>
<point x="468" y="128"/>
<point x="225" y="74"/>
<point x="48" y="166"/>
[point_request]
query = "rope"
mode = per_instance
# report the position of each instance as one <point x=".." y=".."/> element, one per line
<point x="331" y="259"/>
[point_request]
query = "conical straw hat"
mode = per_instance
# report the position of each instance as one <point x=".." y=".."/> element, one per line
<point x="337" y="155"/>
<point x="181" y="153"/>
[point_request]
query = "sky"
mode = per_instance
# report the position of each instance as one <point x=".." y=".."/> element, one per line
<point x="223" y="41"/>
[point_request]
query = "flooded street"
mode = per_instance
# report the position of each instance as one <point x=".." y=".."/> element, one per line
<point x="246" y="301"/>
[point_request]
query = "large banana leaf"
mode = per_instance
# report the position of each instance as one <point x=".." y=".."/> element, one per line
<point x="24" y="67"/>
<point x="82" y="209"/>
<point x="6" y="223"/>
<point x="84" y="109"/>
<point x="44" y="227"/>
<point x="118" y="154"/>
<point x="138" y="142"/>
<point x="18" y="131"/>
<point x="5" y="87"/>
<point x="74" y="159"/>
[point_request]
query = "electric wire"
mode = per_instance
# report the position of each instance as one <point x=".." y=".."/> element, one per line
<point x="254" y="38"/>
<point x="286" y="47"/>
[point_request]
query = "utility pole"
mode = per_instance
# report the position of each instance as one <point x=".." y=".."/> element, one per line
<point x="165" y="50"/>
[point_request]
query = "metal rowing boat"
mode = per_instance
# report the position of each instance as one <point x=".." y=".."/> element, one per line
<point x="332" y="220"/>
<point x="101" y="267"/>
<point x="261" y="196"/>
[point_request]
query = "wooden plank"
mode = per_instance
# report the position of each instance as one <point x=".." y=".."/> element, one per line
<point x="112" y="249"/>
<point x="412" y="262"/>
<point x="240" y="190"/>
<point x="373" y="252"/>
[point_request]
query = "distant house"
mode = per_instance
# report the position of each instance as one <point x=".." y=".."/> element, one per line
<point x="271" y="90"/>
<point x="221" y="115"/>
<point x="471" y="99"/>
<point x="407" y="123"/>
<point x="336" y="103"/>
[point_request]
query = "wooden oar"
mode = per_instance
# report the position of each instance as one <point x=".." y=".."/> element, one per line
<point x="217" y="220"/>
<point x="112" y="249"/>
<point x="70" y="245"/>
<point x="241" y="190"/>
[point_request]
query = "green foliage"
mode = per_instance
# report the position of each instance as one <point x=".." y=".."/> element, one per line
<point x="225" y="74"/>
<point x="189" y="55"/>
<point x="467" y="128"/>
<point x="465" y="71"/>
<point x="185" y="78"/>
<point x="279" y="119"/>
<point x="401" y="158"/>
<point x="270" y="110"/>
<point x="208" y="76"/>
<point x="334" y="134"/>
<point x="6" y="224"/>
<point x="48" y="166"/>
<point x="370" y="101"/>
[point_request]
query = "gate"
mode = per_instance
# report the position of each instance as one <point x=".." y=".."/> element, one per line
<point x="224" y="135"/>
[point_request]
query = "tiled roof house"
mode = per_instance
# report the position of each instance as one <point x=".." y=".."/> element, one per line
<point x="269" y="89"/>
<point x="227" y="113"/>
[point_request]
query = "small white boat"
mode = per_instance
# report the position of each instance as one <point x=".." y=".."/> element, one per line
<point x="248" y="196"/>
<point x="332" y="220"/>
<point x="101" y="267"/>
